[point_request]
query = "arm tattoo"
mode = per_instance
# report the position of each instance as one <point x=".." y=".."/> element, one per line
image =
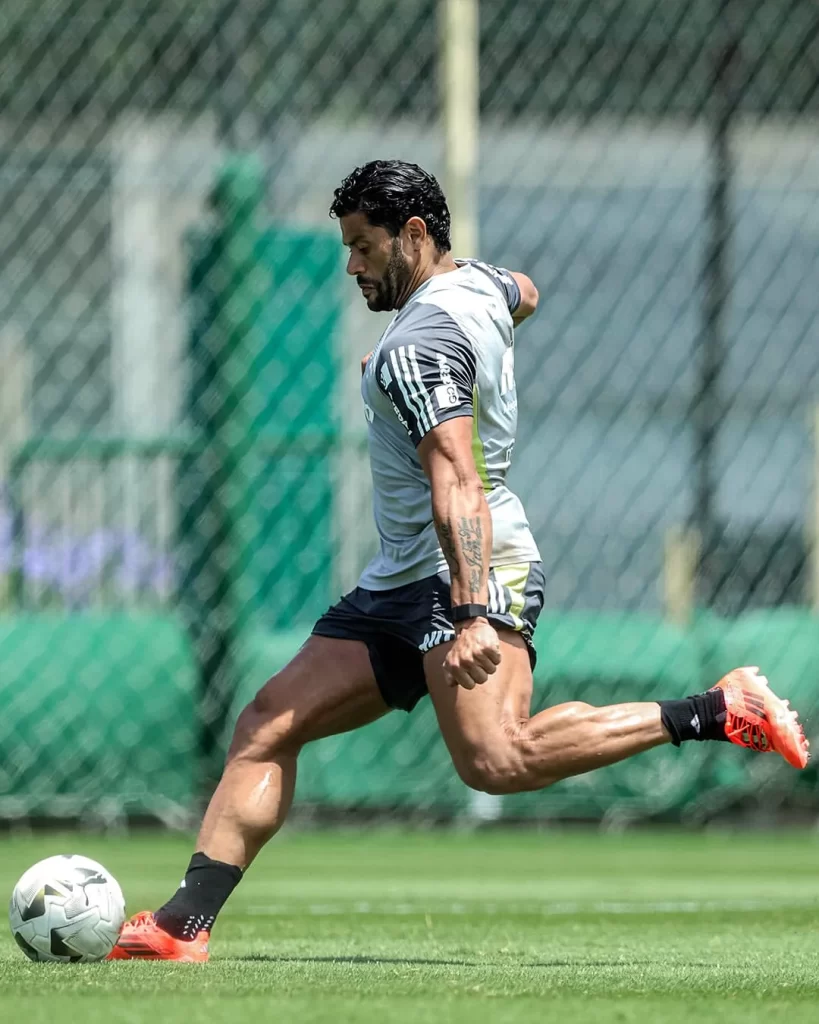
<point x="470" y="535"/>
<point x="447" y="539"/>
<point x="469" y="547"/>
<point x="471" y="538"/>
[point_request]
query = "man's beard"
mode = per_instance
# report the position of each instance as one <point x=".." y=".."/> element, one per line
<point x="389" y="291"/>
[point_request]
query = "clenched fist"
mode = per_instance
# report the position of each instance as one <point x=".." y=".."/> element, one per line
<point x="474" y="656"/>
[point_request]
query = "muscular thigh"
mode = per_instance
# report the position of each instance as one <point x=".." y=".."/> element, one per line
<point x="328" y="688"/>
<point x="476" y="721"/>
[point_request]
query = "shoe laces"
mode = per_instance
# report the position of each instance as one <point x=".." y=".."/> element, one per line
<point x="752" y="733"/>
<point x="144" y="919"/>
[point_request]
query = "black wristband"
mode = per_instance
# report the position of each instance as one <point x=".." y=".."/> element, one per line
<point x="461" y="612"/>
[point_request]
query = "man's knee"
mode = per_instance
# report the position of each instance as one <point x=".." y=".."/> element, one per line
<point x="498" y="772"/>
<point x="518" y="763"/>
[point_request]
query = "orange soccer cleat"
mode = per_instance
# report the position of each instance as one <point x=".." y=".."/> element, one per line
<point x="141" y="938"/>
<point x="758" y="719"/>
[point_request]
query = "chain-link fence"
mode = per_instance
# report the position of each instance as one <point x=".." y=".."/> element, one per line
<point x="185" y="485"/>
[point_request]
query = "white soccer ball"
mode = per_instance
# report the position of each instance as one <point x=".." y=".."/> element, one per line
<point x="68" y="909"/>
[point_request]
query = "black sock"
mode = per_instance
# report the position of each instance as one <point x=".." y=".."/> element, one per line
<point x="195" y="904"/>
<point x="701" y="717"/>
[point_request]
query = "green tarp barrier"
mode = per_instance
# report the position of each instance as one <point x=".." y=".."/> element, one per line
<point x="102" y="711"/>
<point x="785" y="644"/>
<point x="97" y="710"/>
<point x="401" y="760"/>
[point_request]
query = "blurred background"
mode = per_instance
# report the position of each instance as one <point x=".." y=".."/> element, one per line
<point x="184" y="478"/>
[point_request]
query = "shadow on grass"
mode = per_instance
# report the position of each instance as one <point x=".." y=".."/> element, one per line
<point x="263" y="957"/>
<point x="268" y="958"/>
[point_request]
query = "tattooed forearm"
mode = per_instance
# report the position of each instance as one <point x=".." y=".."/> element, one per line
<point x="447" y="539"/>
<point x="470" y="535"/>
<point x="466" y="542"/>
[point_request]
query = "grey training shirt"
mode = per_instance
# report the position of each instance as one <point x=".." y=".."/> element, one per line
<point x="448" y="352"/>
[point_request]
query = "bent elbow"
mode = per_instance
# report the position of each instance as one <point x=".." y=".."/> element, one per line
<point x="529" y="298"/>
<point x="464" y="489"/>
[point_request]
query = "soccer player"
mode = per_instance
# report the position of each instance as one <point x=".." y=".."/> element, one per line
<point x="448" y="606"/>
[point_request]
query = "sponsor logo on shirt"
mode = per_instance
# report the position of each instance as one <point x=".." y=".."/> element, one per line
<point x="446" y="394"/>
<point x="443" y="368"/>
<point x="400" y="416"/>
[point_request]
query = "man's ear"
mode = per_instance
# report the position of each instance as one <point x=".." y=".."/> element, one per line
<point x="416" y="229"/>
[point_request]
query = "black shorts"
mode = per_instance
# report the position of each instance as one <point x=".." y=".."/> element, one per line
<point x="399" y="626"/>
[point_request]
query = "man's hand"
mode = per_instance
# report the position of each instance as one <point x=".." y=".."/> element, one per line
<point x="474" y="656"/>
<point x="364" y="362"/>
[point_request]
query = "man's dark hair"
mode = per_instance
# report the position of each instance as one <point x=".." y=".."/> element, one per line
<point x="389" y="192"/>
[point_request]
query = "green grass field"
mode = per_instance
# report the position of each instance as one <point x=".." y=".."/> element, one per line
<point x="421" y="927"/>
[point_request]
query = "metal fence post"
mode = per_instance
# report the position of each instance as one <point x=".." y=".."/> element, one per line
<point x="460" y="82"/>
<point x="460" y="100"/>
<point x="813" y="516"/>
<point x="227" y="412"/>
<point x="707" y="412"/>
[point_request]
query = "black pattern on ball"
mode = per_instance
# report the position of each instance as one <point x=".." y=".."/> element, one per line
<point x="29" y="950"/>
<point x="59" y="948"/>
<point x="37" y="906"/>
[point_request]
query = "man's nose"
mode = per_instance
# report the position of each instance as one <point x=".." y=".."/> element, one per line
<point x="355" y="265"/>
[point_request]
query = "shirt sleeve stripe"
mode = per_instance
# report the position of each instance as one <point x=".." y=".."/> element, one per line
<point x="410" y="389"/>
<point x="400" y="378"/>
<point x="421" y="389"/>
